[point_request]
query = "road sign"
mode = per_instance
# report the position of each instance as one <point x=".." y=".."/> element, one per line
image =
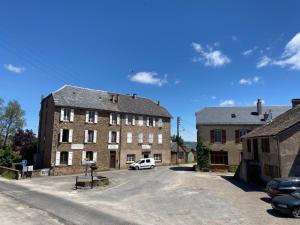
<point x="24" y="162"/>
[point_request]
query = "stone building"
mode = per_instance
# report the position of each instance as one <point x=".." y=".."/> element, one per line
<point x="221" y="129"/>
<point x="78" y="125"/>
<point x="273" y="150"/>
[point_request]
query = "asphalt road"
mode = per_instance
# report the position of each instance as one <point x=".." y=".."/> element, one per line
<point x="64" y="211"/>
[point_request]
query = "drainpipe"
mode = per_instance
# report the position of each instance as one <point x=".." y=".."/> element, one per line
<point x="279" y="160"/>
<point x="120" y="140"/>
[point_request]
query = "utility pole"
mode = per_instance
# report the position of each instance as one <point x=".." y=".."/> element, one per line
<point x="177" y="138"/>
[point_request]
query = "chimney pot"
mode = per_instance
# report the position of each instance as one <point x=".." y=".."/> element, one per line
<point x="134" y="96"/>
<point x="259" y="107"/>
<point x="295" y="102"/>
<point x="158" y="103"/>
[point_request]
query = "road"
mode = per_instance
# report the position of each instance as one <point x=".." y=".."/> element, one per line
<point x="62" y="211"/>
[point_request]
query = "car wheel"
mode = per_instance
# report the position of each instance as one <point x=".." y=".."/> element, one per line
<point x="296" y="212"/>
<point x="151" y="167"/>
<point x="137" y="168"/>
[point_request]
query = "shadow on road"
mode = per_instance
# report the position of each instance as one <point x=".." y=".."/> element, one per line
<point x="266" y="199"/>
<point x="247" y="187"/>
<point x="276" y="213"/>
<point x="182" y="168"/>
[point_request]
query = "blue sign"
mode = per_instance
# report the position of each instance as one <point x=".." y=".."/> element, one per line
<point x="24" y="162"/>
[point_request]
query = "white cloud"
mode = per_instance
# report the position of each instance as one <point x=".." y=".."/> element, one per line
<point x="249" y="81"/>
<point x="264" y="61"/>
<point x="148" y="78"/>
<point x="14" y="69"/>
<point x="291" y="55"/>
<point x="177" y="81"/>
<point x="234" y="38"/>
<point x="210" y="56"/>
<point x="249" y="51"/>
<point x="213" y="97"/>
<point x="227" y="103"/>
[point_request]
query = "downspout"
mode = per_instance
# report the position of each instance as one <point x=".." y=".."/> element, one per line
<point x="279" y="160"/>
<point x="120" y="140"/>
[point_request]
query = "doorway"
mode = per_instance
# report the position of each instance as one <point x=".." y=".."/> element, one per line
<point x="255" y="149"/>
<point x="146" y="155"/>
<point x="112" y="163"/>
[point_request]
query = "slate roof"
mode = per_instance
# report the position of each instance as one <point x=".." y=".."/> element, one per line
<point x="243" y="115"/>
<point x="281" y="123"/>
<point x="72" y="96"/>
<point x="180" y="149"/>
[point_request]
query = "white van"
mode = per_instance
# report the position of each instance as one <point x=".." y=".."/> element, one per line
<point x="143" y="164"/>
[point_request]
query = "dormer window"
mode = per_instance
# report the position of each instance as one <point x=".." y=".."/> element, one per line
<point x="233" y="115"/>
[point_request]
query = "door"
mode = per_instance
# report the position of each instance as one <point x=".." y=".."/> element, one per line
<point x="146" y="155"/>
<point x="148" y="163"/>
<point x="142" y="164"/>
<point x="255" y="149"/>
<point x="112" y="159"/>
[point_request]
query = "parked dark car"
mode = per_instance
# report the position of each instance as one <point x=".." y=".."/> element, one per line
<point x="288" y="204"/>
<point x="283" y="186"/>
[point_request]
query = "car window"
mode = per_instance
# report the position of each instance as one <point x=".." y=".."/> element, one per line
<point x="288" y="184"/>
<point x="147" y="160"/>
<point x="142" y="161"/>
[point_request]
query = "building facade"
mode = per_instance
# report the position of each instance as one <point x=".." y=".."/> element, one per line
<point x="221" y="129"/>
<point x="79" y="125"/>
<point x="274" y="149"/>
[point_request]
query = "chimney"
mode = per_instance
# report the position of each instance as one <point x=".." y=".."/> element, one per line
<point x="134" y="96"/>
<point x="295" y="102"/>
<point x="158" y="103"/>
<point x="266" y="116"/>
<point x="259" y="107"/>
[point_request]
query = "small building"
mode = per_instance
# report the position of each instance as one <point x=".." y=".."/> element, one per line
<point x="182" y="154"/>
<point x="221" y="129"/>
<point x="273" y="150"/>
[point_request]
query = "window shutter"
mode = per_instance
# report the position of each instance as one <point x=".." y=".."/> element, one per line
<point x="95" y="157"/>
<point x="72" y="115"/>
<point x="223" y="136"/>
<point x="150" y="138"/>
<point x="118" y="119"/>
<point x="212" y="136"/>
<point x="70" y="158"/>
<point x="141" y="122"/>
<point x="70" y="135"/>
<point x="109" y="137"/>
<point x="147" y="121"/>
<point x="86" y="134"/>
<point x="159" y="139"/>
<point x="118" y="136"/>
<point x="57" y="159"/>
<point x="96" y="117"/>
<point x="237" y="136"/>
<point x="110" y="118"/>
<point x="126" y="119"/>
<point x="61" y="114"/>
<point x="83" y="156"/>
<point x="86" y="116"/>
<point x="95" y="136"/>
<point x="154" y="121"/>
<point x="133" y="119"/>
<point x="61" y="135"/>
<point x="129" y="137"/>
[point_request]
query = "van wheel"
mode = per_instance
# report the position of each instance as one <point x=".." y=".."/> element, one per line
<point x="296" y="212"/>
<point x="151" y="167"/>
<point x="137" y="168"/>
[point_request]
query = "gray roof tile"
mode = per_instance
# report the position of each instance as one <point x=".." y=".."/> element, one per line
<point x="79" y="97"/>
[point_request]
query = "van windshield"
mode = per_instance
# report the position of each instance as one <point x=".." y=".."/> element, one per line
<point x="139" y="161"/>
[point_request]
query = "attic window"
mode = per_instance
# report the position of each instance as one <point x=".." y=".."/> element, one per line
<point x="233" y="115"/>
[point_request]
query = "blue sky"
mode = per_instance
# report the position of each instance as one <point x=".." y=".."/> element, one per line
<point x="187" y="54"/>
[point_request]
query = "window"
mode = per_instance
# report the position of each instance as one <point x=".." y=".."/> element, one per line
<point x="151" y="121"/>
<point x="265" y="145"/>
<point x="66" y="114"/>
<point x="114" y="118"/>
<point x="89" y="156"/>
<point x="65" y="135"/>
<point x="130" y="158"/>
<point x="64" y="158"/>
<point x="180" y="155"/>
<point x="239" y="134"/>
<point x="141" y="121"/>
<point x="150" y="140"/>
<point x="113" y="137"/>
<point x="219" y="157"/>
<point x="157" y="157"/>
<point x="243" y="132"/>
<point x="160" y="139"/>
<point x="160" y="122"/>
<point x="129" y="137"/>
<point x="249" y="145"/>
<point x="218" y="136"/>
<point x="140" y="138"/>
<point x="90" y="136"/>
<point x="91" y="116"/>
<point x="129" y="119"/>
<point x="147" y="160"/>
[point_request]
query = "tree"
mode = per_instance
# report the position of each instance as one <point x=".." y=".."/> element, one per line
<point x="178" y="139"/>
<point x="24" y="143"/>
<point x="12" y="119"/>
<point x="1" y="119"/>
<point x="7" y="157"/>
<point x="202" y="155"/>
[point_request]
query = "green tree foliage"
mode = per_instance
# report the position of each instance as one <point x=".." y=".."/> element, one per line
<point x="202" y="155"/>
<point x="12" y="119"/>
<point x="178" y="139"/>
<point x="24" y="143"/>
<point x="8" y="157"/>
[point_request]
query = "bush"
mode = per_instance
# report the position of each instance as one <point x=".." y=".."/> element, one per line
<point x="8" y="157"/>
<point x="232" y="169"/>
<point x="9" y="175"/>
<point x="202" y="156"/>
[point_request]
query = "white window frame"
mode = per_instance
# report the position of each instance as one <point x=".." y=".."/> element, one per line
<point x="141" y="121"/>
<point x="130" y="158"/>
<point x="159" y="139"/>
<point x="129" y="137"/>
<point x="156" y="158"/>
<point x="63" y="116"/>
<point x="151" y="138"/>
<point x="160" y="122"/>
